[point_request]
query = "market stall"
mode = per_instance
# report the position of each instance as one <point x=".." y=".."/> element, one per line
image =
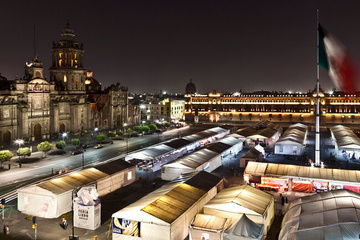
<point x="253" y="155"/>
<point x="293" y="141"/>
<point x="207" y="159"/>
<point x="206" y="227"/>
<point x="330" y="215"/>
<point x="233" y="202"/>
<point x="167" y="212"/>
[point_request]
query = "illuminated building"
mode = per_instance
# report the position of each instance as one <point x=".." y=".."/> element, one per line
<point x="336" y="107"/>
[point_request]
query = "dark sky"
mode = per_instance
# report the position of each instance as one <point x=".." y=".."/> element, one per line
<point x="152" y="45"/>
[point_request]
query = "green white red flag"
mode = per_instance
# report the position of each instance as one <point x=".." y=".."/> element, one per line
<point x="333" y="57"/>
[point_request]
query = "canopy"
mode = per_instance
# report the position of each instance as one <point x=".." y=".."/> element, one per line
<point x="294" y="171"/>
<point x="237" y="199"/>
<point x="244" y="229"/>
<point x="345" y="138"/>
<point x="329" y="215"/>
<point x="209" y="223"/>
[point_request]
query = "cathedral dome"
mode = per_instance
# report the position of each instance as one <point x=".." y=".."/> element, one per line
<point x="190" y="88"/>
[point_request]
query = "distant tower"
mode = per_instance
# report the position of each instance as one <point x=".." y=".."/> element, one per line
<point x="34" y="70"/>
<point x="67" y="69"/>
<point x="190" y="88"/>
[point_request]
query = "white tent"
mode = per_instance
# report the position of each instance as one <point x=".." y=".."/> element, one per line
<point x="202" y="159"/>
<point x="167" y="212"/>
<point x="330" y="216"/>
<point x="253" y="155"/>
<point x="207" y="227"/>
<point x="292" y="141"/>
<point x="52" y="198"/>
<point x="345" y="140"/>
<point x="207" y="159"/>
<point x="233" y="202"/>
<point x="244" y="229"/>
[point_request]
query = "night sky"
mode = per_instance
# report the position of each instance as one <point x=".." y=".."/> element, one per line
<point x="152" y="45"/>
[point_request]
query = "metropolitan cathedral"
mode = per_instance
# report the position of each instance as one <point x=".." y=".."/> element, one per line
<point x="72" y="101"/>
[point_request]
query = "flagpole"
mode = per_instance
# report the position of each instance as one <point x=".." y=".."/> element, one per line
<point x="317" y="133"/>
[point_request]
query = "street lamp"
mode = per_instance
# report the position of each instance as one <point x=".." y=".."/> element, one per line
<point x="74" y="192"/>
<point x="19" y="141"/>
<point x="126" y="137"/>
<point x="64" y="135"/>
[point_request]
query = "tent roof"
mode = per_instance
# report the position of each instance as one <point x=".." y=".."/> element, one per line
<point x="252" y="153"/>
<point x="218" y="147"/>
<point x="296" y="133"/>
<point x="230" y="140"/>
<point x="174" y="203"/>
<point x="245" y="196"/>
<point x="335" y="208"/>
<point x="178" y="143"/>
<point x="114" y="166"/>
<point x="244" y="227"/>
<point x="345" y="137"/>
<point x="202" y="180"/>
<point x="208" y="222"/>
<point x="273" y="169"/>
<point x="134" y="211"/>
<point x="69" y="182"/>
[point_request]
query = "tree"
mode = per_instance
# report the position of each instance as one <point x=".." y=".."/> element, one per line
<point x="100" y="138"/>
<point x="129" y="131"/>
<point x="137" y="128"/>
<point x="75" y="142"/>
<point x="152" y="127"/>
<point x="111" y="135"/>
<point x="61" y="145"/>
<point x="145" y="128"/>
<point x="165" y="124"/>
<point x="23" y="152"/>
<point x="5" y="156"/>
<point x="120" y="133"/>
<point x="44" y="147"/>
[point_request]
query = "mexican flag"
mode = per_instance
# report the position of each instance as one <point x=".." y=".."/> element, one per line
<point x="334" y="58"/>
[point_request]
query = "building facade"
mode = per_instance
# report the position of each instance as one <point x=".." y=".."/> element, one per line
<point x="72" y="101"/>
<point x="336" y="107"/>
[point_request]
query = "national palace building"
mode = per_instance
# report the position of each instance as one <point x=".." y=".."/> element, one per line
<point x="71" y="101"/>
<point x="336" y="107"/>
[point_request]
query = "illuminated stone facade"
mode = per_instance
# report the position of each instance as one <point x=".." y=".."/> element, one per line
<point x="72" y="101"/>
<point x="336" y="108"/>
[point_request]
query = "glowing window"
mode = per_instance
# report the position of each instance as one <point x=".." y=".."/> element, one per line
<point x="65" y="79"/>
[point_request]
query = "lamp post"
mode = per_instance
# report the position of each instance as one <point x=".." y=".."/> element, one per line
<point x="19" y="141"/>
<point x="64" y="135"/>
<point x="126" y="137"/>
<point x="74" y="192"/>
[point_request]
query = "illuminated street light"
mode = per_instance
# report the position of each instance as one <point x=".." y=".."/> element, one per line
<point x="64" y="135"/>
<point x="19" y="141"/>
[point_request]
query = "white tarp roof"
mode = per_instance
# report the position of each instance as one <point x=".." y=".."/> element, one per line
<point x="194" y="159"/>
<point x="209" y="222"/>
<point x="244" y="229"/>
<point x="345" y="137"/>
<point x="198" y="158"/>
<point x="286" y="170"/>
<point x="241" y="199"/>
<point x="329" y="215"/>
<point x="151" y="152"/>
<point x="296" y="133"/>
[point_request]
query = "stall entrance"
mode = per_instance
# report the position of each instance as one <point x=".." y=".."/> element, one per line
<point x="37" y="132"/>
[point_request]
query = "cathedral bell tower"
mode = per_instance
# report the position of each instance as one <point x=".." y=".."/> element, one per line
<point x="67" y="69"/>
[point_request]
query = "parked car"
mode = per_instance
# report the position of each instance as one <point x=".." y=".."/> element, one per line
<point x="99" y="146"/>
<point x="76" y="152"/>
<point x="134" y="134"/>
